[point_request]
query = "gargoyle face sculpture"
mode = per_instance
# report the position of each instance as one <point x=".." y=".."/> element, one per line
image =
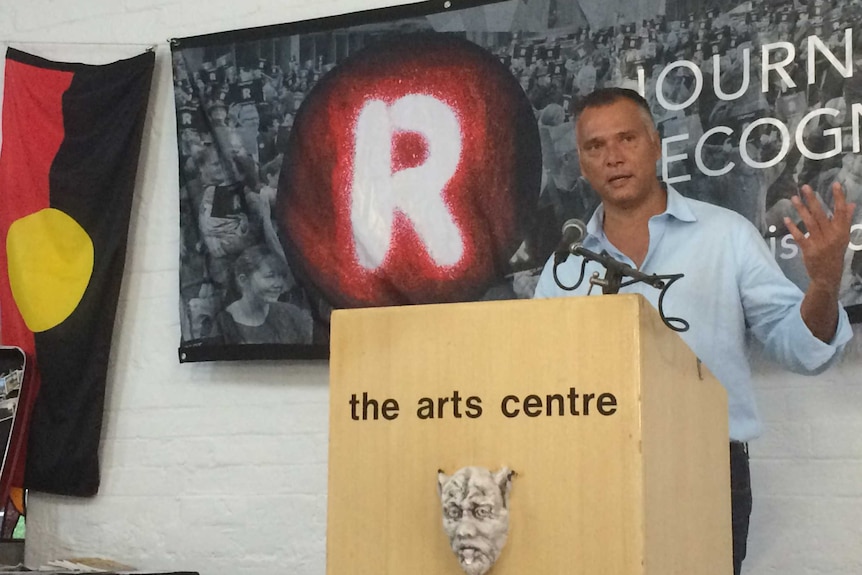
<point x="476" y="515"/>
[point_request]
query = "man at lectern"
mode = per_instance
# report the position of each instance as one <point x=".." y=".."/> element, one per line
<point x="732" y="284"/>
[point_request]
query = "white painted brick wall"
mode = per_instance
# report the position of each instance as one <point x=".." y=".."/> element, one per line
<point x="221" y="468"/>
<point x="807" y="471"/>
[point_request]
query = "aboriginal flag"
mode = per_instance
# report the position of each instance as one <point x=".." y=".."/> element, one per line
<point x="71" y="140"/>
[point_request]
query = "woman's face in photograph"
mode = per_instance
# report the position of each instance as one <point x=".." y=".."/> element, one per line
<point x="266" y="283"/>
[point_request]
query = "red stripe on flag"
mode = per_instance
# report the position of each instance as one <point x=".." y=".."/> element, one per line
<point x="32" y="134"/>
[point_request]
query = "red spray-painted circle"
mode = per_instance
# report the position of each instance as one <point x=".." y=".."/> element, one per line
<point x="490" y="196"/>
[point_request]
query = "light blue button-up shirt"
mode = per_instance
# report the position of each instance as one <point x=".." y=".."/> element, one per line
<point x="732" y="283"/>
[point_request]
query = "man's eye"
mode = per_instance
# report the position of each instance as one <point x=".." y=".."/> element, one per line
<point x="453" y="512"/>
<point x="482" y="512"/>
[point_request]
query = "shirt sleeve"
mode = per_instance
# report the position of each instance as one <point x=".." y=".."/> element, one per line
<point x="772" y="306"/>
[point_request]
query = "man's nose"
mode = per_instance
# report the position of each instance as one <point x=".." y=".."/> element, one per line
<point x="613" y="154"/>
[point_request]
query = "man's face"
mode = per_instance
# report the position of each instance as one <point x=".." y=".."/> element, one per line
<point x="212" y="172"/>
<point x="475" y="515"/>
<point x="219" y="114"/>
<point x="618" y="150"/>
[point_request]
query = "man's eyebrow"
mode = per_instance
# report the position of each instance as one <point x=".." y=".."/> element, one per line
<point x="591" y="141"/>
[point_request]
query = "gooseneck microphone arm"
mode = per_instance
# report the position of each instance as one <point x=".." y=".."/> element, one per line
<point x="615" y="271"/>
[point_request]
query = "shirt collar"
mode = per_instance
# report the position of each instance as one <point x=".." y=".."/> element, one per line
<point x="677" y="207"/>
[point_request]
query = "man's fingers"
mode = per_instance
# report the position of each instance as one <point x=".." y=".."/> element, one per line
<point x="797" y="234"/>
<point x="843" y="209"/>
<point x="814" y="206"/>
<point x="838" y="198"/>
<point x="804" y="214"/>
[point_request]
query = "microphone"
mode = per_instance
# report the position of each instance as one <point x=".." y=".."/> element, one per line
<point x="574" y="230"/>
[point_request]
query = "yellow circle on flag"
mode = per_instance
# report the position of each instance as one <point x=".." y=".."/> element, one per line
<point x="50" y="264"/>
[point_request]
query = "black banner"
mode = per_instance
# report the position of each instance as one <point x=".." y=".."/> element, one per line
<point x="425" y="153"/>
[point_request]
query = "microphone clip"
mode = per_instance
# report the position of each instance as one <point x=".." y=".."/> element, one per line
<point x="612" y="281"/>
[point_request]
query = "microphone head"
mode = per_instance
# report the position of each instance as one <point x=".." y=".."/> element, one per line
<point x="574" y="230"/>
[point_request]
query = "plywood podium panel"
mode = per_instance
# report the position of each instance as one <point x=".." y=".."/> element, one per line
<point x="617" y="435"/>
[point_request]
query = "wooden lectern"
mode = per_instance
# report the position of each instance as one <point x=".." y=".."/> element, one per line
<point x="618" y="437"/>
